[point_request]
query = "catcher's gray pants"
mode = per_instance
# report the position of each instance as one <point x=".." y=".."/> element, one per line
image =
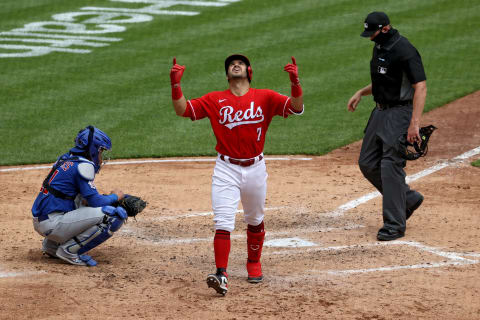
<point x="61" y="227"/>
<point x="383" y="166"/>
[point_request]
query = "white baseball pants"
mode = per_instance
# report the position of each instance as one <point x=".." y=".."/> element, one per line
<point x="232" y="183"/>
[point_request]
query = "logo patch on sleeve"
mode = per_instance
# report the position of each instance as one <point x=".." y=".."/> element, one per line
<point x="91" y="184"/>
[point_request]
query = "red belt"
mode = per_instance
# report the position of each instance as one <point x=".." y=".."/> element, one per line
<point x="238" y="162"/>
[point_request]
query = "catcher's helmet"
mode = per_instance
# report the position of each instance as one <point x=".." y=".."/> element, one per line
<point x="91" y="140"/>
<point x="242" y="58"/>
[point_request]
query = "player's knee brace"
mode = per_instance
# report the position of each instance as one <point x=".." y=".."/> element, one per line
<point x="116" y="217"/>
<point x="96" y="235"/>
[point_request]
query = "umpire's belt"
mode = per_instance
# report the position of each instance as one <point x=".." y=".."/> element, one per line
<point x="383" y="106"/>
<point x="242" y="162"/>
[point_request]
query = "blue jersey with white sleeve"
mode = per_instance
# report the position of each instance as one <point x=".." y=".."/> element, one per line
<point x="70" y="176"/>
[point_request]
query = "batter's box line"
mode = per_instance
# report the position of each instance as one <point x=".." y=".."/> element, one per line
<point x="454" y="258"/>
<point x="340" y="211"/>
<point x="198" y="214"/>
<point x="141" y="237"/>
<point x="19" y="274"/>
<point x="179" y="160"/>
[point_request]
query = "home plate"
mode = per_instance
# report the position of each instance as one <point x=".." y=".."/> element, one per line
<point x="289" y="243"/>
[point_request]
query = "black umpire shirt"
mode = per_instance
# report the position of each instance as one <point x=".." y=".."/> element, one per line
<point x="394" y="67"/>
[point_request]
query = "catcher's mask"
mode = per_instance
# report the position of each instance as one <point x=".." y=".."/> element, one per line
<point x="413" y="151"/>
<point x="241" y="58"/>
<point x="92" y="141"/>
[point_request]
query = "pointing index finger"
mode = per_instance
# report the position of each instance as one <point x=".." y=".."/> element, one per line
<point x="174" y="60"/>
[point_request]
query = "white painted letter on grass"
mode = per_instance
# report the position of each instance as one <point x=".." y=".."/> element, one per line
<point x="102" y="17"/>
<point x="68" y="27"/>
<point x="33" y="51"/>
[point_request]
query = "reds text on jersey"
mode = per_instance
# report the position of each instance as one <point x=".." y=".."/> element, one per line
<point x="240" y="123"/>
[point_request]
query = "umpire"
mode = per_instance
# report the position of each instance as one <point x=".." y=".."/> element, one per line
<point x="398" y="86"/>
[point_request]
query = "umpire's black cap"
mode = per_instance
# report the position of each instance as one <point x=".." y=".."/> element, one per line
<point x="373" y="22"/>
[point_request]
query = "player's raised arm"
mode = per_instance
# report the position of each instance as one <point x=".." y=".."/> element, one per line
<point x="178" y="100"/>
<point x="297" y="94"/>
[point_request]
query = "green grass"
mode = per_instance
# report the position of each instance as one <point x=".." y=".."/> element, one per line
<point x="476" y="163"/>
<point x="124" y="88"/>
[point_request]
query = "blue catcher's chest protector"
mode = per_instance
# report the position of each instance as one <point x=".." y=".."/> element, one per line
<point x="62" y="185"/>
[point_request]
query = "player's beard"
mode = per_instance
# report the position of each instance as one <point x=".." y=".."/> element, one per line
<point x="243" y="75"/>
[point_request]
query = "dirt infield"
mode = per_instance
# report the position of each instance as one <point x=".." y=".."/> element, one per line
<point x="321" y="259"/>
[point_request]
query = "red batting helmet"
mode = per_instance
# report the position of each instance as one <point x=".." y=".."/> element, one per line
<point x="242" y="58"/>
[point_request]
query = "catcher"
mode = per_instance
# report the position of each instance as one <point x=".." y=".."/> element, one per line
<point x="69" y="212"/>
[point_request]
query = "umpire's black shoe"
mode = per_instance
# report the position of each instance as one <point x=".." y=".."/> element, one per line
<point x="388" y="234"/>
<point x="415" y="206"/>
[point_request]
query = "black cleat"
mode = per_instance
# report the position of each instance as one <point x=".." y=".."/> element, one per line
<point x="218" y="281"/>
<point x="255" y="279"/>
<point x="254" y="270"/>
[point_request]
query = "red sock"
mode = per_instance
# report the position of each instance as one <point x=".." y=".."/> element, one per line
<point x="255" y="237"/>
<point x="221" y="246"/>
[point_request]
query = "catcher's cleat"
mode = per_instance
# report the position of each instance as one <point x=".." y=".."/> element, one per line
<point x="218" y="281"/>
<point x="49" y="248"/>
<point x="49" y="255"/>
<point x="75" y="259"/>
<point x="415" y="206"/>
<point x="254" y="270"/>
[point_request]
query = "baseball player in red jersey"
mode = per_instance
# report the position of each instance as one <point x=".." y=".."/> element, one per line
<point x="240" y="117"/>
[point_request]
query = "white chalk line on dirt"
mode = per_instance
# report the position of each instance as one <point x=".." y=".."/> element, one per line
<point x="355" y="203"/>
<point x="337" y="212"/>
<point x="132" y="231"/>
<point x="471" y="254"/>
<point x="454" y="258"/>
<point x="10" y="274"/>
<point x="349" y="205"/>
<point x="197" y="214"/>
<point x="18" y="274"/>
<point x="15" y="274"/>
<point x="111" y="163"/>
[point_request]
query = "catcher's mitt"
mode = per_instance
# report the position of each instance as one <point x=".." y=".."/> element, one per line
<point x="132" y="204"/>
<point x="420" y="149"/>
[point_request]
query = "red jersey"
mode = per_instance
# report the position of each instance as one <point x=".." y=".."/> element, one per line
<point x="240" y="123"/>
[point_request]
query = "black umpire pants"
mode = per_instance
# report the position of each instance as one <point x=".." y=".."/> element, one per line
<point x="382" y="165"/>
